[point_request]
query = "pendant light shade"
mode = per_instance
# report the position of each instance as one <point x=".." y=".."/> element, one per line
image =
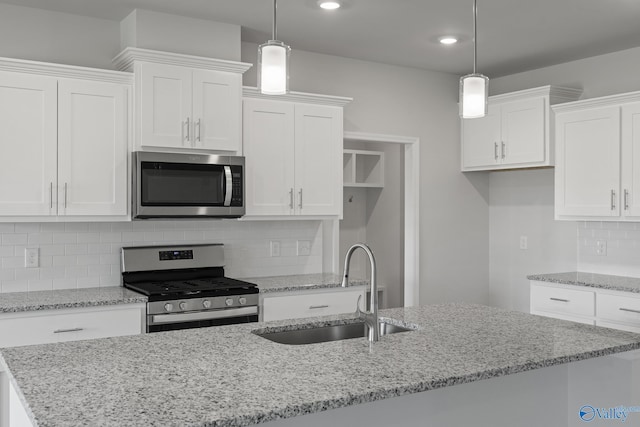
<point x="273" y="64"/>
<point x="474" y="87"/>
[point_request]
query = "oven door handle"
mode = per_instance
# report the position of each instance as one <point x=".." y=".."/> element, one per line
<point x="203" y="315"/>
<point x="228" y="185"/>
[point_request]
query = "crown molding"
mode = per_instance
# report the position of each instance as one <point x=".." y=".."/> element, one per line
<point x="126" y="59"/>
<point x="302" y="97"/>
<point x="604" y="101"/>
<point x="64" y="71"/>
<point x="378" y="137"/>
<point x="556" y="94"/>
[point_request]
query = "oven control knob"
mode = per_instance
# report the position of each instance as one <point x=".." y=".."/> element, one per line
<point x="183" y="306"/>
<point x="168" y="306"/>
<point x="228" y="301"/>
<point x="206" y="303"/>
<point x="242" y="300"/>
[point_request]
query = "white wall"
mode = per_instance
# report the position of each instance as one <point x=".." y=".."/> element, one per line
<point x="40" y="35"/>
<point x="521" y="204"/>
<point x="81" y="255"/>
<point x="522" y="201"/>
<point x="404" y="101"/>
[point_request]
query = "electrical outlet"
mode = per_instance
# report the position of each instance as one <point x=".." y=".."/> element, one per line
<point x="304" y="247"/>
<point x="275" y="248"/>
<point x="601" y="247"/>
<point x="524" y="244"/>
<point x="31" y="257"/>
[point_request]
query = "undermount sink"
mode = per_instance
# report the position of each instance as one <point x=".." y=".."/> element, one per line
<point x="330" y="333"/>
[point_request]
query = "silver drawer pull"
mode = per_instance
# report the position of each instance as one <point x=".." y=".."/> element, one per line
<point x="61" y="331"/>
<point x="630" y="310"/>
<point x="315" y="307"/>
<point x="559" y="299"/>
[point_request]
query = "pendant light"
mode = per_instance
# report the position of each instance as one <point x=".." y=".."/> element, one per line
<point x="474" y="88"/>
<point x="273" y="63"/>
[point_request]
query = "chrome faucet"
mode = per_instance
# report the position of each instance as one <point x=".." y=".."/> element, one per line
<point x="370" y="317"/>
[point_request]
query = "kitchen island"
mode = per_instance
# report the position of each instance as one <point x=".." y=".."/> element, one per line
<point x="229" y="376"/>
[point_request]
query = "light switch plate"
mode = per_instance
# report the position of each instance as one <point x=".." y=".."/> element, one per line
<point x="275" y="248"/>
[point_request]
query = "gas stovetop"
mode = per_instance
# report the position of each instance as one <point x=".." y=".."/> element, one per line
<point x="192" y="288"/>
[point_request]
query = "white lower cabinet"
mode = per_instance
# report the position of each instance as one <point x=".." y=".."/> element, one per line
<point x="51" y="326"/>
<point x="594" y="306"/>
<point x="563" y="303"/>
<point x="299" y="304"/>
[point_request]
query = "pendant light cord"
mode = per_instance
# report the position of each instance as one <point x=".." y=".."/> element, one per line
<point x="275" y="25"/>
<point x="475" y="35"/>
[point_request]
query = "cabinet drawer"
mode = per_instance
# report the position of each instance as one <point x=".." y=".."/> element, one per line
<point x="620" y="326"/>
<point x="562" y="301"/>
<point x="70" y="325"/>
<point x="310" y="304"/>
<point x="618" y="308"/>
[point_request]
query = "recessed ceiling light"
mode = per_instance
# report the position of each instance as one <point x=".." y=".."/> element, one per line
<point x="329" y="5"/>
<point x="448" y="40"/>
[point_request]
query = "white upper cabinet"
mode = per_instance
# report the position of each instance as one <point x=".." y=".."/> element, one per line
<point x="28" y="147"/>
<point x="598" y="159"/>
<point x="92" y="148"/>
<point x="66" y="141"/>
<point x="293" y="152"/>
<point x="185" y="102"/>
<point x="515" y="133"/>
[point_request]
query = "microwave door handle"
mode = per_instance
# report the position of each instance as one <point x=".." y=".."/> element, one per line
<point x="228" y="186"/>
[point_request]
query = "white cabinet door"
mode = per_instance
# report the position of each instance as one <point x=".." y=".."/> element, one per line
<point x="523" y="131"/>
<point x="164" y="106"/>
<point x="481" y="140"/>
<point x="28" y="124"/>
<point x="92" y="148"/>
<point x="588" y="163"/>
<point x="318" y="160"/>
<point x="216" y="110"/>
<point x="269" y="152"/>
<point x="631" y="160"/>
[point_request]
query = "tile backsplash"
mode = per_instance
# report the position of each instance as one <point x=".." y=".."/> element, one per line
<point x="618" y="252"/>
<point x="80" y="255"/>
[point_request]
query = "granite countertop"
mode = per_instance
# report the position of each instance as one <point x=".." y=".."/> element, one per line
<point x="602" y="281"/>
<point x="302" y="282"/>
<point x="67" y="298"/>
<point x="235" y="378"/>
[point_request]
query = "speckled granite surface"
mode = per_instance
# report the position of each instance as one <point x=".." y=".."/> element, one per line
<point x="228" y="376"/>
<point x="67" y="298"/>
<point x="301" y="282"/>
<point x="603" y="281"/>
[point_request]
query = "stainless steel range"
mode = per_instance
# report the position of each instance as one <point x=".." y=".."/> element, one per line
<point x="186" y="287"/>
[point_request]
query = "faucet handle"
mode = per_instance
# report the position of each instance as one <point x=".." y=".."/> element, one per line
<point x="358" y="311"/>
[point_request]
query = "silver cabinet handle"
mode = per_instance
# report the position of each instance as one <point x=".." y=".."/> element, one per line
<point x="291" y="198"/>
<point x="626" y="199"/>
<point x="300" y="201"/>
<point x="503" y="147"/>
<point x="613" y="200"/>
<point x="50" y="195"/>
<point x="65" y="195"/>
<point x="315" y="307"/>
<point x="62" y="331"/>
<point x="197" y="125"/>
<point x="559" y="299"/>
<point x="495" y="151"/>
<point x="630" y="310"/>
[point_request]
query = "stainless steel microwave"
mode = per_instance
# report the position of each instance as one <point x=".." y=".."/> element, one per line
<point x="168" y="185"/>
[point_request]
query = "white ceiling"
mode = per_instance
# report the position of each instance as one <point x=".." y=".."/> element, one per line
<point x="513" y="35"/>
